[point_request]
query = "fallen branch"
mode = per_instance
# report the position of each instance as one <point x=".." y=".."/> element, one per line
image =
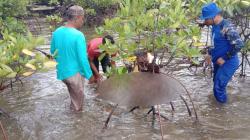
<point x="3" y="131"/>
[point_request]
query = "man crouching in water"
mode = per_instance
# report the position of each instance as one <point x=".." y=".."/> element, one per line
<point x="94" y="53"/>
<point x="72" y="59"/>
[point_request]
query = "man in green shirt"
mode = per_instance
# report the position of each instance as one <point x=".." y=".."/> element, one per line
<point x="69" y="44"/>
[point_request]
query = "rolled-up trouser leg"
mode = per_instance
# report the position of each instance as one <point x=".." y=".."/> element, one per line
<point x="221" y="78"/>
<point x="75" y="88"/>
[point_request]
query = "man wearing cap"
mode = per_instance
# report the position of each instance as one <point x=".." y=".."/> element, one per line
<point x="94" y="53"/>
<point x="226" y="44"/>
<point x="69" y="44"/>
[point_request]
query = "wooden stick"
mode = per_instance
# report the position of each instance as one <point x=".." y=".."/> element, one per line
<point x="159" y="115"/>
<point x="189" y="111"/>
<point x="110" y="114"/>
<point x="4" y="134"/>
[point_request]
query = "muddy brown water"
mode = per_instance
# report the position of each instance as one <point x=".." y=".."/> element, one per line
<point x="39" y="110"/>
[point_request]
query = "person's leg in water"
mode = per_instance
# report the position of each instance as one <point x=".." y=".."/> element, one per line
<point x="96" y="63"/>
<point x="76" y="89"/>
<point x="105" y="62"/>
<point x="222" y="76"/>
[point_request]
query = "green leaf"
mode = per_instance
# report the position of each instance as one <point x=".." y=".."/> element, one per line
<point x="6" y="68"/>
<point x="54" y="55"/>
<point x="6" y="71"/>
<point x="13" y="39"/>
<point x="127" y="29"/>
<point x="195" y="61"/>
<point x="245" y="3"/>
<point x="175" y="25"/>
<point x="121" y="70"/>
<point x="101" y="56"/>
<point x="99" y="30"/>
<point x="12" y="75"/>
<point x="50" y="64"/>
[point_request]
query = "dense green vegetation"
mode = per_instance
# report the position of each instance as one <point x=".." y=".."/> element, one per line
<point x="19" y="57"/>
<point x="9" y="18"/>
<point x="166" y="28"/>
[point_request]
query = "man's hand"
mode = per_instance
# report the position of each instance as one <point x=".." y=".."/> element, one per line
<point x="220" y="61"/>
<point x="208" y="60"/>
<point x="92" y="80"/>
<point x="98" y="78"/>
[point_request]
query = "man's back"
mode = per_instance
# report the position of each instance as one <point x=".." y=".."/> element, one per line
<point x="93" y="47"/>
<point x="71" y="55"/>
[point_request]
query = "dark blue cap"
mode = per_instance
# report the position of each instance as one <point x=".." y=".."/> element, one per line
<point x="209" y="11"/>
